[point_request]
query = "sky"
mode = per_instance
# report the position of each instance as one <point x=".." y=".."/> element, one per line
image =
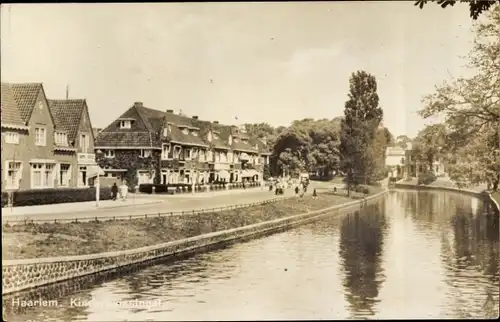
<point x="236" y="62"/>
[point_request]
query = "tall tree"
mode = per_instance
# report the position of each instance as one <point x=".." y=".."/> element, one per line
<point x="471" y="107"/>
<point x="431" y="144"/>
<point x="358" y="128"/>
<point x="476" y="7"/>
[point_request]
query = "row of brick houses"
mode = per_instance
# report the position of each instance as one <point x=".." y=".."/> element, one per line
<point x="145" y="145"/>
<point x="45" y="143"/>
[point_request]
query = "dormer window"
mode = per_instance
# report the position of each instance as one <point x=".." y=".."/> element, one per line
<point x="125" y="124"/>
<point x="194" y="132"/>
<point x="236" y="140"/>
<point x="185" y="131"/>
<point x="61" y="138"/>
<point x="145" y="153"/>
<point x="215" y="136"/>
<point x="109" y="154"/>
<point x="209" y="136"/>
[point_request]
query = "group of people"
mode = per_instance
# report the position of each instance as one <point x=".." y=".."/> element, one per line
<point x="300" y="188"/>
<point x="119" y="192"/>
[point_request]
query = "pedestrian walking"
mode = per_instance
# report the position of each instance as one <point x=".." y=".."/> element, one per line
<point x="315" y="195"/>
<point x="114" y="191"/>
<point x="296" y="190"/>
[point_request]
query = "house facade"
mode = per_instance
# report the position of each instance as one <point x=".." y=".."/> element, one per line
<point x="145" y="145"/>
<point x="41" y="140"/>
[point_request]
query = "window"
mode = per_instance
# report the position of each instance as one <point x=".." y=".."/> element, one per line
<point x="194" y="132"/>
<point x="185" y="131"/>
<point x="109" y="154"/>
<point x="203" y="155"/>
<point x="48" y="178"/>
<point x="36" y="175"/>
<point x="194" y="153"/>
<point x="12" y="137"/>
<point x="40" y="105"/>
<point x="84" y="142"/>
<point x="40" y="136"/>
<point x="61" y="139"/>
<point x="14" y="173"/>
<point x="64" y="174"/>
<point x="165" y="151"/>
<point x="177" y="152"/>
<point x="402" y="160"/>
<point x="125" y="124"/>
<point x="165" y="131"/>
<point x="82" y="176"/>
<point x="187" y="154"/>
<point x="146" y="153"/>
<point x="215" y="136"/>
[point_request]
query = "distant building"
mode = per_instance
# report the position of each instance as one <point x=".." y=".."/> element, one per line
<point x="45" y="143"/>
<point x="395" y="160"/>
<point x="145" y="145"/>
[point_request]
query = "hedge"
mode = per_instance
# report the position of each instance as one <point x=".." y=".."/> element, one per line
<point x="187" y="188"/>
<point x="35" y="197"/>
<point x="426" y="178"/>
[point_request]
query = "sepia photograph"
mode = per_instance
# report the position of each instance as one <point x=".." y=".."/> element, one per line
<point x="239" y="161"/>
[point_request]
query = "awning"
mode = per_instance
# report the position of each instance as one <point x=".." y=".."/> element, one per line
<point x="94" y="170"/>
<point x="223" y="174"/>
<point x="244" y="157"/>
<point x="249" y="173"/>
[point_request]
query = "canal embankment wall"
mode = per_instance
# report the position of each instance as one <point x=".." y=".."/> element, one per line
<point x="24" y="274"/>
<point x="473" y="193"/>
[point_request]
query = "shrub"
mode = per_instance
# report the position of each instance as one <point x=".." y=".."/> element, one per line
<point x="34" y="197"/>
<point x="426" y="178"/>
<point x="362" y="189"/>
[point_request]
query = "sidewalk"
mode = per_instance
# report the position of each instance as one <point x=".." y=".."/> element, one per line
<point x="77" y="206"/>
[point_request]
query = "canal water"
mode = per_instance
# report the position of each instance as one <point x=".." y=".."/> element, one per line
<point x="411" y="255"/>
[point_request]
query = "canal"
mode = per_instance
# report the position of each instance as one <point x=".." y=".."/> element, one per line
<point x="411" y="255"/>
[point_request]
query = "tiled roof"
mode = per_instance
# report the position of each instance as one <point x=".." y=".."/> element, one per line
<point x="10" y="111"/>
<point x="67" y="115"/>
<point x="176" y="134"/>
<point x="123" y="139"/>
<point x="25" y="95"/>
<point x="262" y="147"/>
<point x="243" y="146"/>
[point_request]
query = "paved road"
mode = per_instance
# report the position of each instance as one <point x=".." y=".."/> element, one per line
<point x="185" y="203"/>
<point x="172" y="205"/>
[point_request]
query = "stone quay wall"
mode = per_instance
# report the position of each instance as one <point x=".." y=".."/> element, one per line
<point x="24" y="274"/>
<point x="472" y="193"/>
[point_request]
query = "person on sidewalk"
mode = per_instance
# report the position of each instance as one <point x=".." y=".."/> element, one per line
<point x="315" y="195"/>
<point x="296" y="190"/>
<point x="123" y="191"/>
<point x="114" y="191"/>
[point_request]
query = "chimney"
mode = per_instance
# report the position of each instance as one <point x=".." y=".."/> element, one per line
<point x="138" y="104"/>
<point x="216" y="122"/>
<point x="195" y="117"/>
<point x="170" y="111"/>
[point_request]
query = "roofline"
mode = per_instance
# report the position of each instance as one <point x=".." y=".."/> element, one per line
<point x="147" y="124"/>
<point x="126" y="147"/>
<point x="245" y="150"/>
<point x="15" y="126"/>
<point x="191" y="144"/>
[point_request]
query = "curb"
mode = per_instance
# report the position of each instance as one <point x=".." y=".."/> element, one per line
<point x="81" y="211"/>
<point x="72" y="267"/>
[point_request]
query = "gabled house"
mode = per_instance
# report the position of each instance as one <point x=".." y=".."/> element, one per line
<point x="151" y="146"/>
<point x="74" y="141"/>
<point x="129" y="149"/>
<point x="38" y="148"/>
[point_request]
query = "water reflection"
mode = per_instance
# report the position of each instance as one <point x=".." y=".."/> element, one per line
<point x="413" y="255"/>
<point x="361" y="244"/>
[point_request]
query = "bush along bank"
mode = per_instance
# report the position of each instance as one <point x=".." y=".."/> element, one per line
<point x="174" y="188"/>
<point x="64" y="239"/>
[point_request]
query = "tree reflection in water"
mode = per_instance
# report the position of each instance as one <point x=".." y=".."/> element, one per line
<point x="361" y="241"/>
